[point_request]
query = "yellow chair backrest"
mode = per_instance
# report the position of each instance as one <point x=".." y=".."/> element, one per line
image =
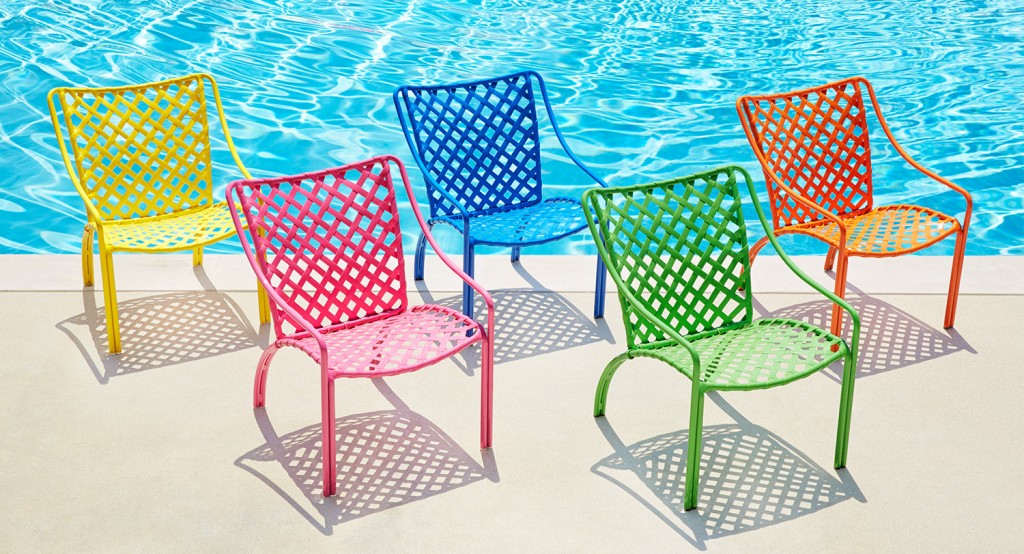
<point x="139" y="151"/>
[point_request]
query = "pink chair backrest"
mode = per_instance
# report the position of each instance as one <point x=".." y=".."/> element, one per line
<point x="328" y="243"/>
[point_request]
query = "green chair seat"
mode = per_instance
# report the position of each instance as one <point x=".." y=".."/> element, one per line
<point x="766" y="353"/>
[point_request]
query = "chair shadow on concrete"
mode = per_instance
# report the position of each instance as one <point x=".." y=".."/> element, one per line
<point x="162" y="330"/>
<point x="890" y="337"/>
<point x="750" y="478"/>
<point x="385" y="459"/>
<point x="529" y="322"/>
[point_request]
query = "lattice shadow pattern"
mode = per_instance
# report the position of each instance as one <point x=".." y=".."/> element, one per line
<point x="751" y="478"/>
<point x="163" y="330"/>
<point x="385" y="459"/>
<point x="890" y="337"/>
<point x="533" y="323"/>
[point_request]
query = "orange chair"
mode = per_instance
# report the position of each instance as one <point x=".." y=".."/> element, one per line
<point x="813" y="148"/>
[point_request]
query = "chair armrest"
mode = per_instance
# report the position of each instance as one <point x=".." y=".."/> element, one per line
<point x="90" y="208"/>
<point x="437" y="249"/>
<point x="558" y="132"/>
<point x="224" y="125"/>
<point x="258" y="269"/>
<point x="934" y="176"/>
<point x="625" y="293"/>
<point x="770" y="234"/>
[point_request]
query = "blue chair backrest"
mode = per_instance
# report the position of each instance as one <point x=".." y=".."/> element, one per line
<point x="478" y="141"/>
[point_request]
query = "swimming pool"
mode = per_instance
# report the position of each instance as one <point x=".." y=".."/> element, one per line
<point x="644" y="90"/>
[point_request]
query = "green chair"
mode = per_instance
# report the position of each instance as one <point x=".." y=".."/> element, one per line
<point x="677" y="252"/>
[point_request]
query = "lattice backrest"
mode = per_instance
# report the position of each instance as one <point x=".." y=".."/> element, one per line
<point x="816" y="142"/>
<point x="328" y="242"/>
<point x="143" y="150"/>
<point x="679" y="246"/>
<point x="479" y="141"/>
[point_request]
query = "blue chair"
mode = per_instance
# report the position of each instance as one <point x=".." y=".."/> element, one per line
<point x="478" y="146"/>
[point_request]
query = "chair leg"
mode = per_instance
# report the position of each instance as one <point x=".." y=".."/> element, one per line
<point x="599" y="289"/>
<point x="486" y="391"/>
<point x="954" y="279"/>
<point x="330" y="467"/>
<point x="110" y="302"/>
<point x="840" y="290"/>
<point x="830" y="258"/>
<point x="467" y="291"/>
<point x="757" y="248"/>
<point x="515" y="253"/>
<point x="418" y="259"/>
<point x="264" y="302"/>
<point x="693" y="449"/>
<point x="197" y="256"/>
<point x="845" y="408"/>
<point x="601" y="398"/>
<point x="88" y="272"/>
<point x="259" y="392"/>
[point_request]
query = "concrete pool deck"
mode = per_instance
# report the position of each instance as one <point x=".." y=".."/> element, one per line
<point x="159" y="449"/>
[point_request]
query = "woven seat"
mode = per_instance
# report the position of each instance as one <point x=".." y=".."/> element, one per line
<point x="176" y="231"/>
<point x="815" y="152"/>
<point x="140" y="159"/>
<point x="391" y="345"/>
<point x="478" y="146"/>
<point x="884" y="231"/>
<point x="551" y="219"/>
<point x="676" y="250"/>
<point x="766" y="353"/>
<point x="327" y="246"/>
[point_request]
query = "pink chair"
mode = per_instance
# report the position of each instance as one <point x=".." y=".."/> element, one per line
<point x="328" y="248"/>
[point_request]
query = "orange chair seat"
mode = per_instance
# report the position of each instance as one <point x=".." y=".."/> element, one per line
<point x="883" y="231"/>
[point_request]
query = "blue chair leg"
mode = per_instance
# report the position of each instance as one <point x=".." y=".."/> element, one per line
<point x="421" y="253"/>
<point x="599" y="287"/>
<point x="515" y="254"/>
<point x="467" y="291"/>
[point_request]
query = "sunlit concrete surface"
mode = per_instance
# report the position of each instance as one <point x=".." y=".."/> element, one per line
<point x="159" y="449"/>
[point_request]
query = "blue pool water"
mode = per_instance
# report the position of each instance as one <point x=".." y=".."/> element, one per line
<point x="644" y="90"/>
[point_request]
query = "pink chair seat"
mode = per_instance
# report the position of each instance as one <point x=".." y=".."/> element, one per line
<point x="393" y="344"/>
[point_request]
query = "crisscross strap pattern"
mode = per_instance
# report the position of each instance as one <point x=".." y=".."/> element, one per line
<point x="141" y="151"/>
<point x="478" y="141"/>
<point x="550" y="219"/>
<point x="816" y="142"/>
<point x="178" y="231"/>
<point x="679" y="246"/>
<point x="328" y="242"/>
<point x="389" y="345"/>
<point x="887" y="230"/>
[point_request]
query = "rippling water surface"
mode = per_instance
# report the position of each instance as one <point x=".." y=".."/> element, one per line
<point x="644" y="90"/>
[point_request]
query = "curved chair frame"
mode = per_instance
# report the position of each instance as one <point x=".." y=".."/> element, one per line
<point x="833" y="225"/>
<point x="343" y="254"/>
<point x="673" y="317"/>
<point x="138" y="200"/>
<point x="526" y="192"/>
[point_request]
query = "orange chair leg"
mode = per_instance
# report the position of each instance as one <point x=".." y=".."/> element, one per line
<point x="840" y="290"/>
<point x="757" y="248"/>
<point x="954" y="279"/>
<point x="830" y="258"/>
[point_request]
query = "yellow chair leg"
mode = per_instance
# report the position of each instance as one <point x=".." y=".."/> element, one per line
<point x="88" y="273"/>
<point x="110" y="302"/>
<point x="197" y="256"/>
<point x="264" y="301"/>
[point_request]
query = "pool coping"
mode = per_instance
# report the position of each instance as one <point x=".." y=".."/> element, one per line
<point x="564" y="273"/>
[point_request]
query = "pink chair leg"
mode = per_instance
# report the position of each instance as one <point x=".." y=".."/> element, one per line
<point x="330" y="467"/>
<point x="486" y="391"/>
<point x="259" y="392"/>
<point x="954" y="279"/>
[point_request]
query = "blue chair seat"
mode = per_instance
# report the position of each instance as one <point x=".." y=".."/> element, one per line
<point x="551" y="219"/>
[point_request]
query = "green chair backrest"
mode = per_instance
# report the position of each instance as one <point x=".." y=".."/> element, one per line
<point x="678" y="249"/>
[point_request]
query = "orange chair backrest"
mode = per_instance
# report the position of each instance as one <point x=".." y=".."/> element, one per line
<point x="143" y="150"/>
<point x="816" y="142"/>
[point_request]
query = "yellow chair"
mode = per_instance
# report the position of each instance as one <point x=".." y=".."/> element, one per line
<point x="140" y="159"/>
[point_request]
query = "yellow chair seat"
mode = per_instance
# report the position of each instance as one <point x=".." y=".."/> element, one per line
<point x="174" y="231"/>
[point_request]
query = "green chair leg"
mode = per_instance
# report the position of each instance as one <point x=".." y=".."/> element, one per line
<point x="692" y="492"/>
<point x="601" y="397"/>
<point x="845" y="408"/>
